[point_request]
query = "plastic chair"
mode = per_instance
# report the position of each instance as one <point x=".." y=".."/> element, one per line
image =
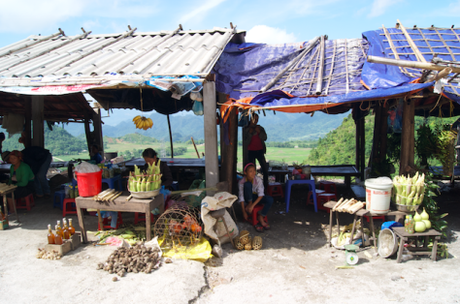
<point x="275" y="190"/>
<point x="68" y="207"/>
<point x="310" y="196"/>
<point x="111" y="182"/>
<point x="106" y="223"/>
<point x="175" y="186"/>
<point x="60" y="196"/>
<point x="140" y="217"/>
<point x="253" y="216"/>
<point x="25" y="202"/>
<point x="328" y="186"/>
<point x="324" y="198"/>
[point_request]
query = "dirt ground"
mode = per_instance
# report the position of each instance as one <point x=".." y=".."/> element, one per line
<point x="296" y="265"/>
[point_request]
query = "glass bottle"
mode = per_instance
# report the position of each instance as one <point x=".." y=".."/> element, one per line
<point x="57" y="236"/>
<point x="411" y="224"/>
<point x="406" y="223"/>
<point x="50" y="235"/>
<point x="65" y="230"/>
<point x="71" y="227"/>
<point x="59" y="229"/>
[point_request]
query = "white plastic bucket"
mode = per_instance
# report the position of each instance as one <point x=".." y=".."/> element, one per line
<point x="378" y="194"/>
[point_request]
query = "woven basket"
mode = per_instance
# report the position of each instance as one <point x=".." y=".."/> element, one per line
<point x="237" y="243"/>
<point x="257" y="243"/>
<point x="244" y="237"/>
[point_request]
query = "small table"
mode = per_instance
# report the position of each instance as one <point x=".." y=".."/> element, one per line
<point x="361" y="213"/>
<point x="289" y="183"/>
<point x="404" y="236"/>
<point x="121" y="205"/>
<point x="5" y="202"/>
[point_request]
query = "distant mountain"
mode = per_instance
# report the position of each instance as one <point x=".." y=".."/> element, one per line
<point x="280" y="127"/>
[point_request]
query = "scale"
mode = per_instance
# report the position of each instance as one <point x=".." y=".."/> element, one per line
<point x="351" y="257"/>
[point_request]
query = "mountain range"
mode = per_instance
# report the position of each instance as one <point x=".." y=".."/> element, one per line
<point x="280" y="127"/>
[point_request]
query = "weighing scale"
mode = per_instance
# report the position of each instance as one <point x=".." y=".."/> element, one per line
<point x="351" y="256"/>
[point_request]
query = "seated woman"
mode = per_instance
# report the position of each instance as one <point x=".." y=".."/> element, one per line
<point x="95" y="155"/>
<point x="251" y="193"/>
<point x="21" y="175"/>
<point x="150" y="157"/>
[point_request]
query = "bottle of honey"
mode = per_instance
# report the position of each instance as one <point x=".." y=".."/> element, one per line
<point x="59" y="229"/>
<point x="71" y="227"/>
<point x="65" y="230"/>
<point x="57" y="237"/>
<point x="50" y="235"/>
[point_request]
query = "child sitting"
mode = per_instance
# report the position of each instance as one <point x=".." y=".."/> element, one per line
<point x="251" y="193"/>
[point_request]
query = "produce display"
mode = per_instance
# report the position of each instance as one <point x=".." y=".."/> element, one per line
<point x="139" y="258"/>
<point x="132" y="235"/>
<point x="108" y="195"/>
<point x="409" y="191"/>
<point x="142" y="122"/>
<point x="348" y="205"/>
<point x="149" y="180"/>
<point x="422" y="221"/>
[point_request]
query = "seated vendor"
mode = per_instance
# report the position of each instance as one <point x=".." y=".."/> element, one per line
<point x="251" y="193"/>
<point x="150" y="157"/>
<point x="95" y="155"/>
<point x="20" y="174"/>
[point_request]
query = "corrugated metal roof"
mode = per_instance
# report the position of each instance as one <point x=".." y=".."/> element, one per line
<point x="59" y="59"/>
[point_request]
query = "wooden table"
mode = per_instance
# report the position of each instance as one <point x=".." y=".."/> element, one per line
<point x="5" y="202"/>
<point x="404" y="237"/>
<point x="361" y="213"/>
<point x="121" y="205"/>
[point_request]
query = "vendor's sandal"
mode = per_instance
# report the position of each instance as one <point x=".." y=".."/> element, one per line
<point x="259" y="228"/>
<point x="266" y="227"/>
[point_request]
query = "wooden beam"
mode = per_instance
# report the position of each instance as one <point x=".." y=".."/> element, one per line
<point x="411" y="43"/>
<point x="411" y="64"/>
<point x="210" y="134"/>
<point x="38" y="132"/>
<point x="28" y="121"/>
<point x="407" y="138"/>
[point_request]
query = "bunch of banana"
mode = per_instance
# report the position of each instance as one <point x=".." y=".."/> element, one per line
<point x="142" y="122"/>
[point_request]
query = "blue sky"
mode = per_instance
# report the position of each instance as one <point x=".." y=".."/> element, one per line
<point x="267" y="21"/>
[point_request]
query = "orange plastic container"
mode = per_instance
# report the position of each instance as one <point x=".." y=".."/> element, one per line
<point x="89" y="184"/>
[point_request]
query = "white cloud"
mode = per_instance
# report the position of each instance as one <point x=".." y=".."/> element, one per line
<point x="25" y="16"/>
<point x="270" y="35"/>
<point x="380" y="6"/>
<point x="200" y="11"/>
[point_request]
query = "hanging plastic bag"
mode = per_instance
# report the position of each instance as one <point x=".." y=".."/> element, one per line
<point x="197" y="108"/>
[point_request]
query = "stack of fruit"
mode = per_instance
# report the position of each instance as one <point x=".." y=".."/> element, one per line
<point x="142" y="122"/>
<point x="150" y="180"/>
<point x="422" y="221"/>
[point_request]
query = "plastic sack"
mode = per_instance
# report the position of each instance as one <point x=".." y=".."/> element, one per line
<point x="86" y="167"/>
<point x="199" y="252"/>
<point x="197" y="108"/>
<point x="211" y="203"/>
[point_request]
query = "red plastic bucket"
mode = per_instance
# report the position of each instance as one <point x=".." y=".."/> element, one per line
<point x="89" y="184"/>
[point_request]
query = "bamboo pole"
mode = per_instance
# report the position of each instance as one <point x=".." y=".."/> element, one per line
<point x="198" y="154"/>
<point x="170" y="137"/>
<point x="277" y="77"/>
<point x="411" y="64"/>
<point x="319" y="81"/>
<point x="411" y="43"/>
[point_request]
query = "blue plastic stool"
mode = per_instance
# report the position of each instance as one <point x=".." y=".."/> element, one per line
<point x="111" y="182"/>
<point x="60" y="195"/>
<point x="175" y="186"/>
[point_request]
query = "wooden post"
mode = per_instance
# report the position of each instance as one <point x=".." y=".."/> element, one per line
<point x="28" y="121"/>
<point x="407" y="138"/>
<point x="38" y="117"/>
<point x="360" y="139"/>
<point x="97" y="124"/>
<point x="379" y="143"/>
<point x="355" y="115"/>
<point x="229" y="152"/>
<point x="170" y="137"/>
<point x="210" y="134"/>
<point x="362" y="153"/>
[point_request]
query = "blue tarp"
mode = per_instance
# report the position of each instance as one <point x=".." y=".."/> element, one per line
<point x="443" y="42"/>
<point x="243" y="70"/>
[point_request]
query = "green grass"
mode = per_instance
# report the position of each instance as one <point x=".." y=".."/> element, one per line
<point x="288" y="155"/>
